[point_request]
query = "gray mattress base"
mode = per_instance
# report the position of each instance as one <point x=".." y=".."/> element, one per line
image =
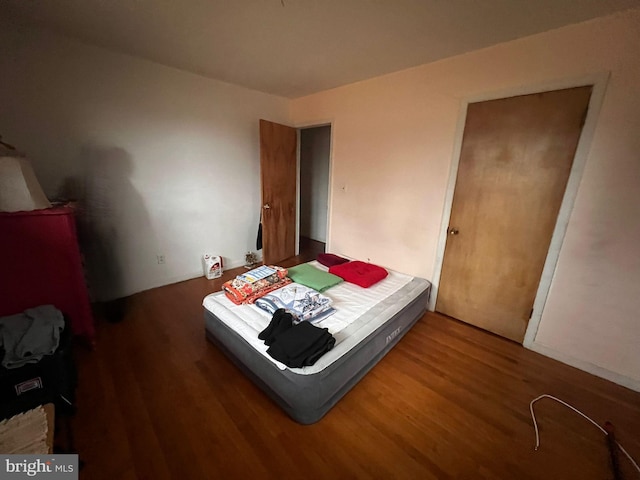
<point x="307" y="398"/>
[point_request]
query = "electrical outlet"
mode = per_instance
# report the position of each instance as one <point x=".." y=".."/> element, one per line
<point x="160" y="259"/>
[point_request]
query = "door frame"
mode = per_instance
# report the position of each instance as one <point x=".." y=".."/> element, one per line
<point x="302" y="126"/>
<point x="599" y="82"/>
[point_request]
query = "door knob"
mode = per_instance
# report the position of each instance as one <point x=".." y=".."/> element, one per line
<point x="453" y="231"/>
<point x="266" y="206"/>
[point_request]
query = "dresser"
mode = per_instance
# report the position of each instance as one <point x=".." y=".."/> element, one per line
<point x="40" y="263"/>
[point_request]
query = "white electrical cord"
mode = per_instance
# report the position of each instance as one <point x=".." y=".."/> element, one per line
<point x="535" y="424"/>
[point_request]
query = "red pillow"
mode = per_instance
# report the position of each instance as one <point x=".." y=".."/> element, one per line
<point x="360" y="273"/>
<point x="329" y="259"/>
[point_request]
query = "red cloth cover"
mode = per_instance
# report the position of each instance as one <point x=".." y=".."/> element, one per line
<point x="329" y="259"/>
<point x="360" y="273"/>
<point x="40" y="264"/>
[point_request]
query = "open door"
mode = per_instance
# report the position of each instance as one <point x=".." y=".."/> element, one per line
<point x="515" y="161"/>
<point x="278" y="176"/>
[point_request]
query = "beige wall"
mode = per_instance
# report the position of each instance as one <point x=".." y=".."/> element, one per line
<point x="163" y="161"/>
<point x="393" y="145"/>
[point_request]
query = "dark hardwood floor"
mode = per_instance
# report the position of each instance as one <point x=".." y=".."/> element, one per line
<point x="310" y="248"/>
<point x="156" y="401"/>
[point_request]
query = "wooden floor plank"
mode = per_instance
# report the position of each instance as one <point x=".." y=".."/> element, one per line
<point x="157" y="400"/>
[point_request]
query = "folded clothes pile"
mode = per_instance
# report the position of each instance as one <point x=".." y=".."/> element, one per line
<point x="295" y="345"/>
<point x="304" y="303"/>
<point x="313" y="277"/>
<point x="248" y="287"/>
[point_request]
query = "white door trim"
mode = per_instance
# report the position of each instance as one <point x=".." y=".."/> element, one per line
<point x="599" y="82"/>
<point x="298" y="140"/>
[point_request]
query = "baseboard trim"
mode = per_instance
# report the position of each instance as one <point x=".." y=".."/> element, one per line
<point x="228" y="265"/>
<point x="588" y="367"/>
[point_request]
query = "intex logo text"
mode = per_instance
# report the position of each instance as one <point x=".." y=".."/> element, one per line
<point x="393" y="335"/>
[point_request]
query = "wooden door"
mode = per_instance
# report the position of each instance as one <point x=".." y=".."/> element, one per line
<point x="515" y="161"/>
<point x="278" y="176"/>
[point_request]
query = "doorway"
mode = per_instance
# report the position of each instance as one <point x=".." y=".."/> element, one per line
<point x="294" y="177"/>
<point x="515" y="161"/>
<point x="315" y="150"/>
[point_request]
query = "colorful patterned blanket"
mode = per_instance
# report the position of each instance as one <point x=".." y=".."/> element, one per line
<point x="241" y="290"/>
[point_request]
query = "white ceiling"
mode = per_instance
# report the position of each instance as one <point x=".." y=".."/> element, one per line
<point x="294" y="48"/>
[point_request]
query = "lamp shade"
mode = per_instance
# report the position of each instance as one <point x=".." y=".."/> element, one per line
<point x="19" y="187"/>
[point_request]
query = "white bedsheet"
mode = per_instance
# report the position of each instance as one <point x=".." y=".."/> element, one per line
<point x="349" y="300"/>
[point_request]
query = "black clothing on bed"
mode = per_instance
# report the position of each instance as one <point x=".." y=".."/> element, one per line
<point x="295" y="345"/>
<point x="280" y="321"/>
<point x="301" y="345"/>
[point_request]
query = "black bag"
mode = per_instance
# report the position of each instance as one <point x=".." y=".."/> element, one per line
<point x="52" y="380"/>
